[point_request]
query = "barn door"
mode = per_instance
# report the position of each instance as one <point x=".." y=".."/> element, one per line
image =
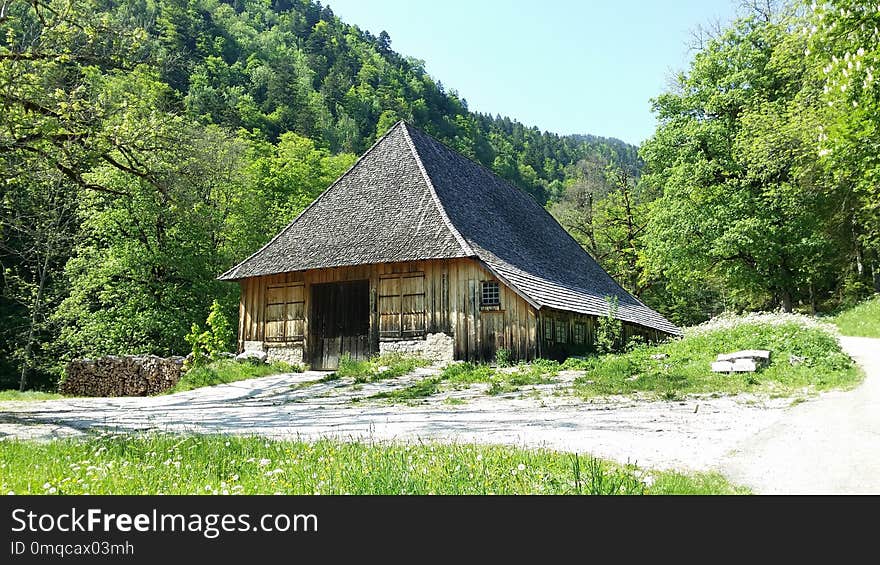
<point x="340" y="323"/>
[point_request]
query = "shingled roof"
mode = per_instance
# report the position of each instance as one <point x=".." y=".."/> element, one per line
<point x="409" y="197"/>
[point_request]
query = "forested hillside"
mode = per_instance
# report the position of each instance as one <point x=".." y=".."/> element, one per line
<point x="760" y="186"/>
<point x="145" y="146"/>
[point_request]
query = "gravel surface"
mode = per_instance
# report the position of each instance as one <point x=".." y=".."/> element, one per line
<point x="690" y="434"/>
<point x="828" y="446"/>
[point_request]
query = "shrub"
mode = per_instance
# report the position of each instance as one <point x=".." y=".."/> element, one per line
<point x="502" y="357"/>
<point x="609" y="330"/>
<point x="208" y="345"/>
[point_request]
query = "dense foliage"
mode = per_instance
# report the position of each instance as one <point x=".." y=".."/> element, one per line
<point x="145" y="146"/>
<point x="764" y="163"/>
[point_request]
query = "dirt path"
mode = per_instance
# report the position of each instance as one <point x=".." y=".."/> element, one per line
<point x="691" y="434"/>
<point x="829" y="446"/>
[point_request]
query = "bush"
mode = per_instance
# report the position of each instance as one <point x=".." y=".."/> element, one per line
<point x="502" y="357"/>
<point x="208" y="345"/>
<point x="609" y="329"/>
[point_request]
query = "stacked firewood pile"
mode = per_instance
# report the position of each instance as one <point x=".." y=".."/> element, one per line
<point x="123" y="375"/>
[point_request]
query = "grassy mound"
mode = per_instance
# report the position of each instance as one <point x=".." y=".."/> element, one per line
<point x="682" y="366"/>
<point x="154" y="464"/>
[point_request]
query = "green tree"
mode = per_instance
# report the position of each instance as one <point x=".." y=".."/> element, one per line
<point x="844" y="43"/>
<point x="743" y="202"/>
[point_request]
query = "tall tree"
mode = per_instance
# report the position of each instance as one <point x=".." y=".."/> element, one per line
<point x="734" y="156"/>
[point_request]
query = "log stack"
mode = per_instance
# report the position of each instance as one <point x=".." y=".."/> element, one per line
<point x="121" y="375"/>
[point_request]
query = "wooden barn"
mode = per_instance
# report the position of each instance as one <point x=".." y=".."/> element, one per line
<point x="418" y="249"/>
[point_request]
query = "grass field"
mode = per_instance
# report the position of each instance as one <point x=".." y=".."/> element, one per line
<point x="863" y="320"/>
<point x="387" y="366"/>
<point x="28" y="395"/>
<point x="229" y="371"/>
<point x="155" y="464"/>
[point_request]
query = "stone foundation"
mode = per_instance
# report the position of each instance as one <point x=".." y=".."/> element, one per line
<point x="437" y="347"/>
<point x="291" y="354"/>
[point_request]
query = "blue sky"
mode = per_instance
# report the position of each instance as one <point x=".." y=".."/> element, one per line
<point x="566" y="66"/>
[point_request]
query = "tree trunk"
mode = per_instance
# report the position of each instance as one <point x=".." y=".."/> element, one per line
<point x="812" y="300"/>
<point x="786" y="301"/>
<point x="35" y="309"/>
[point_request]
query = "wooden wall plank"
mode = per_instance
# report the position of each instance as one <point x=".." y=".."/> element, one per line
<point x="451" y="304"/>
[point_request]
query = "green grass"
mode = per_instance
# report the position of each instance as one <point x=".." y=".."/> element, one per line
<point x="863" y="320"/>
<point x="420" y="389"/>
<point x="462" y="375"/>
<point x="229" y="371"/>
<point x="28" y="395"/>
<point x="152" y="464"/>
<point x="387" y="366"/>
<point x="686" y="369"/>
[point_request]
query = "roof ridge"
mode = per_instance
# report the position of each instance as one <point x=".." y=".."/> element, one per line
<point x="465" y="246"/>
<point x="232" y="271"/>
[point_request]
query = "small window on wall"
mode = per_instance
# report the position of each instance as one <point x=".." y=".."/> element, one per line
<point x="580" y="333"/>
<point x="548" y="329"/>
<point x="561" y="331"/>
<point x="285" y="314"/>
<point x="490" y="294"/>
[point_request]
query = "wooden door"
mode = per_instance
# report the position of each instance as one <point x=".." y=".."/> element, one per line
<point x="340" y="323"/>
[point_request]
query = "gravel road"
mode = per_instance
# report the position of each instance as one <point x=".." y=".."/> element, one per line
<point x="828" y="446"/>
<point x="690" y="434"/>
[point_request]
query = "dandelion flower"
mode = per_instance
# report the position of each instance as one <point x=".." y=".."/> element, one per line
<point x="521" y="467"/>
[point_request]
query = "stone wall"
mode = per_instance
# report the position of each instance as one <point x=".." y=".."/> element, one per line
<point x="291" y="354"/>
<point x="124" y="375"/>
<point x="437" y="347"/>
